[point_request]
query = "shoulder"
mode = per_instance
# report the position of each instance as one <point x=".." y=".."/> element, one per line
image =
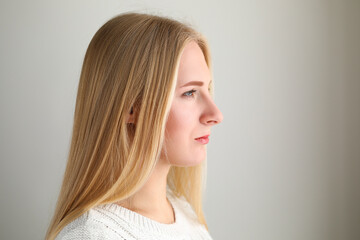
<point x="95" y="224"/>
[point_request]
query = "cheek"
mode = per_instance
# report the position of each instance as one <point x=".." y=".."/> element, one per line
<point x="182" y="150"/>
<point x="179" y="122"/>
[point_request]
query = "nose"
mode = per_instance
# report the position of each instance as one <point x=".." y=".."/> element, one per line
<point x="211" y="114"/>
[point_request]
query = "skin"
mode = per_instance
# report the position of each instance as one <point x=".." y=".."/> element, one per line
<point x="192" y="115"/>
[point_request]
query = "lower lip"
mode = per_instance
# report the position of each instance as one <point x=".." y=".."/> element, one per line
<point x="203" y="140"/>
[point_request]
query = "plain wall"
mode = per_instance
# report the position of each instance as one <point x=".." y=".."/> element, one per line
<point x="284" y="163"/>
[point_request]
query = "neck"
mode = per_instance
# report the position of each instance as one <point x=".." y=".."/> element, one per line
<point x="151" y="199"/>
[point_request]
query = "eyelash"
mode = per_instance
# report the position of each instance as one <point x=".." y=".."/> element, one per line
<point x="192" y="91"/>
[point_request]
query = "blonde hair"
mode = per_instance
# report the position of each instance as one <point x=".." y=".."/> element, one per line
<point x="131" y="63"/>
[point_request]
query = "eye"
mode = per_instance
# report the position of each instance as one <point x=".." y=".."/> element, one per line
<point x="189" y="93"/>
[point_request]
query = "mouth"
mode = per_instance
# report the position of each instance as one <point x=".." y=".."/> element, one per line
<point x="203" y="139"/>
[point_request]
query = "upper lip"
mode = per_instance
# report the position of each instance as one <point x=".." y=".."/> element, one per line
<point x="205" y="136"/>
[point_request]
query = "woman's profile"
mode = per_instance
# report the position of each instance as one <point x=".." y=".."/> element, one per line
<point x="144" y="110"/>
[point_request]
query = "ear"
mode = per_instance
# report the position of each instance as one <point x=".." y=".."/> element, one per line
<point x="131" y="116"/>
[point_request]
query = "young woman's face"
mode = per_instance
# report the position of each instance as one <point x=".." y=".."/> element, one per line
<point x="193" y="111"/>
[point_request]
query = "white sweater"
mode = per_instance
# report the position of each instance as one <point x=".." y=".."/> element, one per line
<point x="111" y="221"/>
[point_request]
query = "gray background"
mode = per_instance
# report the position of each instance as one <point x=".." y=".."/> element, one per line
<point x="284" y="163"/>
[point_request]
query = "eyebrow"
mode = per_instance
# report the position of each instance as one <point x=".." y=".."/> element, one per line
<point x="195" y="83"/>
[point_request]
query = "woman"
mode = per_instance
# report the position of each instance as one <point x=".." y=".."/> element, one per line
<point x="143" y="114"/>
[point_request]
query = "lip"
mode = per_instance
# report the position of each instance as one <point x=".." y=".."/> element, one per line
<point x="205" y="136"/>
<point x="204" y="139"/>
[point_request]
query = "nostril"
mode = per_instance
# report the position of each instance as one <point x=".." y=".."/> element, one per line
<point x="212" y="122"/>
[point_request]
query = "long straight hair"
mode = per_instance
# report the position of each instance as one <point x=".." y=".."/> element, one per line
<point x="131" y="64"/>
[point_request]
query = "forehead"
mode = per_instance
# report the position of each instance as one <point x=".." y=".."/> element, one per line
<point x="192" y="66"/>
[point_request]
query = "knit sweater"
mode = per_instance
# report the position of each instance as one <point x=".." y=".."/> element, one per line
<point x="111" y="221"/>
